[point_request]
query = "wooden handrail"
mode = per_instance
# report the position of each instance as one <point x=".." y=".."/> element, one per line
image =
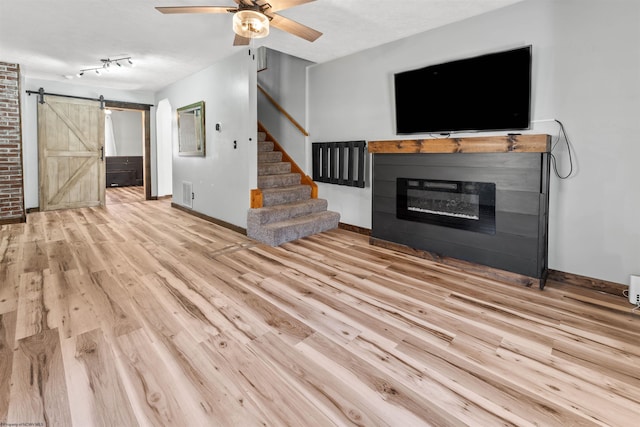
<point x="283" y="111"/>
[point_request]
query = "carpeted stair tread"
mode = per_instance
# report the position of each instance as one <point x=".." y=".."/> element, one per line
<point x="281" y="195"/>
<point x="269" y="157"/>
<point x="274" y="168"/>
<point x="277" y="213"/>
<point x="276" y="233"/>
<point x="265" y="146"/>
<point x="278" y="180"/>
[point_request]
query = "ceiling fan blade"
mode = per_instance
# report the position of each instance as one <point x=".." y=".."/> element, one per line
<point x="196" y="9"/>
<point x="293" y="27"/>
<point x="241" y="41"/>
<point x="277" y="5"/>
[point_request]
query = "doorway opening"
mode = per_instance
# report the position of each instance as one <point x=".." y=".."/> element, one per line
<point x="127" y="152"/>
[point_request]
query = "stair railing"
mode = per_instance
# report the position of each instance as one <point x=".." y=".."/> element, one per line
<point x="340" y="163"/>
<point x="283" y="111"/>
<point x="256" y="193"/>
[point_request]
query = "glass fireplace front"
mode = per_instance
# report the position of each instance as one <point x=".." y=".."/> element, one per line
<point x="458" y="204"/>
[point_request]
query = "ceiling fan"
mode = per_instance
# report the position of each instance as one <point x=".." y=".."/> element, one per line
<point x="252" y="18"/>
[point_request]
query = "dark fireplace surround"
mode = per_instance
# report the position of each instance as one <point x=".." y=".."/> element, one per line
<point x="483" y="200"/>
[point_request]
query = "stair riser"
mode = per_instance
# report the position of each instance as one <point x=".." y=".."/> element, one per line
<point x="274" y="168"/>
<point x="265" y="146"/>
<point x="269" y="215"/>
<point x="275" y="236"/>
<point x="282" y="197"/>
<point x="270" y="157"/>
<point x="274" y="181"/>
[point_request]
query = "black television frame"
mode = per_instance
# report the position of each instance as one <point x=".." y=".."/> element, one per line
<point x="466" y="95"/>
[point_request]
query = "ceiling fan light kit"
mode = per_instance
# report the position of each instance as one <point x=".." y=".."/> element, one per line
<point x="250" y="24"/>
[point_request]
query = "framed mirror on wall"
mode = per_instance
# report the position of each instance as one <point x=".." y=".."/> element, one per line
<point x="191" y="134"/>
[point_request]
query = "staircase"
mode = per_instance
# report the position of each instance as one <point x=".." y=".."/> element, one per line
<point x="288" y="211"/>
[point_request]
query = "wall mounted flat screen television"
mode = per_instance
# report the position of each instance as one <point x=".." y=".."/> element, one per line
<point x="490" y="92"/>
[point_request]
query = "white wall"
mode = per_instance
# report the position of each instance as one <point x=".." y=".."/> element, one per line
<point x="164" y="136"/>
<point x="285" y="79"/>
<point x="586" y="65"/>
<point x="223" y="179"/>
<point x="128" y="132"/>
<point x="30" y="125"/>
<point x="596" y="215"/>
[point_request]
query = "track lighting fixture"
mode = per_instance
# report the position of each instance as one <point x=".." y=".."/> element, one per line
<point x="106" y="64"/>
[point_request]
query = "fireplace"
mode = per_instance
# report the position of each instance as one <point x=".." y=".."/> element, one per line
<point x="466" y="205"/>
<point x="479" y="199"/>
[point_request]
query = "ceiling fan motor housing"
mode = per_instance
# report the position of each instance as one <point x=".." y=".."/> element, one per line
<point x="250" y="22"/>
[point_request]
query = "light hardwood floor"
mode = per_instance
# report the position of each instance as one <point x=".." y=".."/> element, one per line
<point x="140" y="314"/>
<point x="131" y="194"/>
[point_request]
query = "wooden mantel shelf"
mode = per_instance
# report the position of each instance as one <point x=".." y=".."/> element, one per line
<point x="524" y="143"/>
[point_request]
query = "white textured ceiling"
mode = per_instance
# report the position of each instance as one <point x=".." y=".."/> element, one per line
<point x="52" y="39"/>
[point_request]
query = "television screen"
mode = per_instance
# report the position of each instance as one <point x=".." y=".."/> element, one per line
<point x="487" y="92"/>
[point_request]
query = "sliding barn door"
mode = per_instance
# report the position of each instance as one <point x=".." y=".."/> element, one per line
<point x="71" y="153"/>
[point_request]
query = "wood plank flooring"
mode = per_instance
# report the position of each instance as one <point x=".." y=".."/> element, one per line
<point x="130" y="194"/>
<point x="142" y="315"/>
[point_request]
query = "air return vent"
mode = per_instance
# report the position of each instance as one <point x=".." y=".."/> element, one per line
<point x="187" y="194"/>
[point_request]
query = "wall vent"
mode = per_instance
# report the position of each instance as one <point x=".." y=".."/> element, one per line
<point x="187" y="194"/>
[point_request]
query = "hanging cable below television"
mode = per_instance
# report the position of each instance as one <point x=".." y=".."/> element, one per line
<point x="562" y="135"/>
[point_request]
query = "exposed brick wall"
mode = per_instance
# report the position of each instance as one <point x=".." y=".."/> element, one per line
<point x="11" y="179"/>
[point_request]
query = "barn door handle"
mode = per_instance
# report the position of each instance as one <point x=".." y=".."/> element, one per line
<point x="102" y="153"/>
